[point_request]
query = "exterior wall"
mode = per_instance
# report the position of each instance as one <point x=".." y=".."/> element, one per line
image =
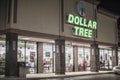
<point x="38" y="16"/>
<point x="106" y="29"/>
<point x="43" y="16"/>
<point x="2" y="14"/>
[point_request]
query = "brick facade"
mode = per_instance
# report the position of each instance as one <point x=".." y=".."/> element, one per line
<point x="40" y="57"/>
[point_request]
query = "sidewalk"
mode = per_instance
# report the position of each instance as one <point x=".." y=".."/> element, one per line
<point x="67" y="75"/>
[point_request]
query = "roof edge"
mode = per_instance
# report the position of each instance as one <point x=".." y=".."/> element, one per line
<point x="107" y="13"/>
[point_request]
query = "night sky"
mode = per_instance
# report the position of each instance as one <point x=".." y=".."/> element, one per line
<point x="111" y="5"/>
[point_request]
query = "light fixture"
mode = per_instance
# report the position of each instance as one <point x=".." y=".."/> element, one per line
<point x="26" y="38"/>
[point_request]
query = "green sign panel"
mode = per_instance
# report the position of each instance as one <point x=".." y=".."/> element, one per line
<point x="82" y="27"/>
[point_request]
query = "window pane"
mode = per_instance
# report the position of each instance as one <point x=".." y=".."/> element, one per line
<point x="80" y="58"/>
<point x="48" y="57"/>
<point x="2" y="56"/>
<point x="69" y="58"/>
<point x="31" y="56"/>
<point x="21" y="51"/>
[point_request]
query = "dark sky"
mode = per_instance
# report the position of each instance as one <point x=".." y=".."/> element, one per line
<point x="111" y="5"/>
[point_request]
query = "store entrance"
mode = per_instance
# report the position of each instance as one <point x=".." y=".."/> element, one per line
<point x="105" y="58"/>
<point x="83" y="58"/>
<point x="69" y="58"/>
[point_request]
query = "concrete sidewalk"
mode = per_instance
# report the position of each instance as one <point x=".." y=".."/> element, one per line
<point x="68" y="74"/>
<point x="53" y="75"/>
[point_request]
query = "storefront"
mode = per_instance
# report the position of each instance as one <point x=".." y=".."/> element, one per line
<point x="61" y="36"/>
<point x="27" y="52"/>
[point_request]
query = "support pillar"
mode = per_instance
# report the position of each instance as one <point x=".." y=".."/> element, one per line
<point x="60" y="56"/>
<point x="75" y="58"/>
<point x="115" y="56"/>
<point x="94" y="62"/>
<point x="11" y="65"/>
<point x="40" y="57"/>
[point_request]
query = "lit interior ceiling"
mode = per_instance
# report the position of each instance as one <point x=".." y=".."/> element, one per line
<point x="35" y="39"/>
<point x="52" y="41"/>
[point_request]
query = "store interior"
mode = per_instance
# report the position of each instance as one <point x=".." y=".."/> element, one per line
<point x="27" y="52"/>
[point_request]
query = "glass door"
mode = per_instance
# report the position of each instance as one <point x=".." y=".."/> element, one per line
<point x="83" y="58"/>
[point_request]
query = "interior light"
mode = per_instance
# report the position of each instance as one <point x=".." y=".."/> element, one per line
<point x="26" y="38"/>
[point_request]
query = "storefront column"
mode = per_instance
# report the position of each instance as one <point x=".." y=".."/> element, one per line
<point x="75" y="58"/>
<point x="60" y="56"/>
<point x="94" y="62"/>
<point x="11" y="65"/>
<point x="115" y="56"/>
<point x="40" y="57"/>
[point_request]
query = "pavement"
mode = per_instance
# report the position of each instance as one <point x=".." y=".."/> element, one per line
<point x="67" y="75"/>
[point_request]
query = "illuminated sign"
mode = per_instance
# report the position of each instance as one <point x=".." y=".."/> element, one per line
<point x="82" y="27"/>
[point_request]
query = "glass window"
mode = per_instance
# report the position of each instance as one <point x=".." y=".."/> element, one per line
<point x="87" y="56"/>
<point x="2" y="56"/>
<point x="105" y="59"/>
<point x="31" y="56"/>
<point x="101" y="57"/>
<point x="119" y="57"/>
<point x="21" y="51"/>
<point x="80" y="57"/>
<point x="48" y="57"/>
<point x="69" y="57"/>
<point x="110" y="58"/>
<point x="2" y="50"/>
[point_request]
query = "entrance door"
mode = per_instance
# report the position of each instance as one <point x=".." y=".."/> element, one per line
<point x="83" y="58"/>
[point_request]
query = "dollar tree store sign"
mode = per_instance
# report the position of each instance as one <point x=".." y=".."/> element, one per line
<point x="82" y="27"/>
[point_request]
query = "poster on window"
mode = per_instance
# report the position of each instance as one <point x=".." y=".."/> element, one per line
<point x="32" y="56"/>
